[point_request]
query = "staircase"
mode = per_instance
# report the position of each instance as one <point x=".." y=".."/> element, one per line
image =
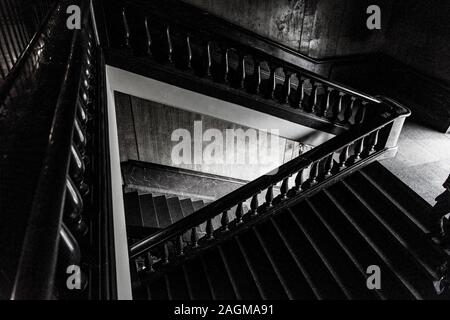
<point x="317" y="248"/>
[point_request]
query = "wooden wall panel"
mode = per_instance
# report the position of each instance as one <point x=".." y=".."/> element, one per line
<point x="125" y="127"/>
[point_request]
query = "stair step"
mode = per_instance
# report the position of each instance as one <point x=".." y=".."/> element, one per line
<point x="149" y="217"/>
<point x="413" y="274"/>
<point x="363" y="253"/>
<point x="246" y="287"/>
<point x="162" y="211"/>
<point x="400" y="194"/>
<point x="342" y="267"/>
<point x="176" y="212"/>
<point x="292" y="278"/>
<point x="219" y="280"/>
<point x="398" y="224"/>
<point x="306" y="256"/>
<point x="260" y="265"/>
<point x="132" y="209"/>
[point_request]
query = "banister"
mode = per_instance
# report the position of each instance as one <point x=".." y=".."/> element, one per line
<point x="37" y="265"/>
<point x="254" y="187"/>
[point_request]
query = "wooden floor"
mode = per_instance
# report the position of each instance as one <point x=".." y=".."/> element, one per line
<point x="423" y="160"/>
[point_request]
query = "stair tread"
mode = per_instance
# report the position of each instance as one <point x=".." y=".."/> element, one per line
<point x="412" y="272"/>
<point x="397" y="222"/>
<point x="149" y="216"/>
<point x="175" y="209"/>
<point x="261" y="267"/>
<point x="302" y="250"/>
<point x="345" y="271"/>
<point x="392" y="288"/>
<point x="399" y="192"/>
<point x="162" y="211"/>
<point x="132" y="205"/>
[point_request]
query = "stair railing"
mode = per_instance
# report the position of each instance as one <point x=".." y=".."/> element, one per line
<point x="191" y="44"/>
<point x="310" y="172"/>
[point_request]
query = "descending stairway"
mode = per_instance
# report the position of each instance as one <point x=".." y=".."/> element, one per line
<point x="318" y="248"/>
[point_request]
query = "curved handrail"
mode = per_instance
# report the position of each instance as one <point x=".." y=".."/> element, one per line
<point x="256" y="186"/>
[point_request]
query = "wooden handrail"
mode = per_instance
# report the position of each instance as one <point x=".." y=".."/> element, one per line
<point x="262" y="183"/>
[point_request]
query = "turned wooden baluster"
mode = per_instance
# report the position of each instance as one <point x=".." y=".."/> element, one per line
<point x="165" y="257"/>
<point x="314" y="96"/>
<point x="208" y="62"/>
<point x="329" y="166"/>
<point x="338" y="109"/>
<point x="361" y="113"/>
<point x="373" y="142"/>
<point x="241" y="72"/>
<point x="149" y="37"/>
<point x="284" y="188"/>
<point x="254" y="205"/>
<point x="300" y="91"/>
<point x="225" y="220"/>
<point x="180" y="245"/>
<point x="272" y="83"/>
<point x="169" y="46"/>
<point x="257" y="75"/>
<point x="343" y="157"/>
<point x="148" y="262"/>
<point x="328" y="112"/>
<point x="349" y="111"/>
<point x="299" y="180"/>
<point x="126" y="29"/>
<point x="209" y="230"/>
<point x="359" y="148"/>
<point x="286" y="86"/>
<point x="188" y="53"/>
<point x="194" y="238"/>
<point x="313" y="174"/>
<point x="269" y="197"/>
<point x="225" y="66"/>
<point x="239" y="213"/>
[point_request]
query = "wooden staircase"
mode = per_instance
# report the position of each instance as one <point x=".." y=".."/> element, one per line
<point x="317" y="248"/>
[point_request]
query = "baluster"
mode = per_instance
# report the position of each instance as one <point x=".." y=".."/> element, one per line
<point x="284" y="188"/>
<point x="359" y="148"/>
<point x="194" y="238"/>
<point x="208" y="61"/>
<point x="254" y="205"/>
<point x="241" y="72"/>
<point x="180" y="245"/>
<point x="328" y="112"/>
<point x="286" y="86"/>
<point x="313" y="174"/>
<point x="165" y="257"/>
<point x="329" y="166"/>
<point x="209" y="230"/>
<point x="272" y="83"/>
<point x="188" y="53"/>
<point x="239" y="213"/>
<point x="349" y="111"/>
<point x="225" y="66"/>
<point x="149" y="37"/>
<point x="169" y="46"/>
<point x="361" y="113"/>
<point x="148" y="262"/>
<point x="299" y="180"/>
<point x="314" y="96"/>
<point x="339" y="106"/>
<point x="257" y="75"/>
<point x="373" y="143"/>
<point x="343" y="157"/>
<point x="225" y="220"/>
<point x="300" y="91"/>
<point x="126" y="29"/>
<point x="269" y="197"/>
